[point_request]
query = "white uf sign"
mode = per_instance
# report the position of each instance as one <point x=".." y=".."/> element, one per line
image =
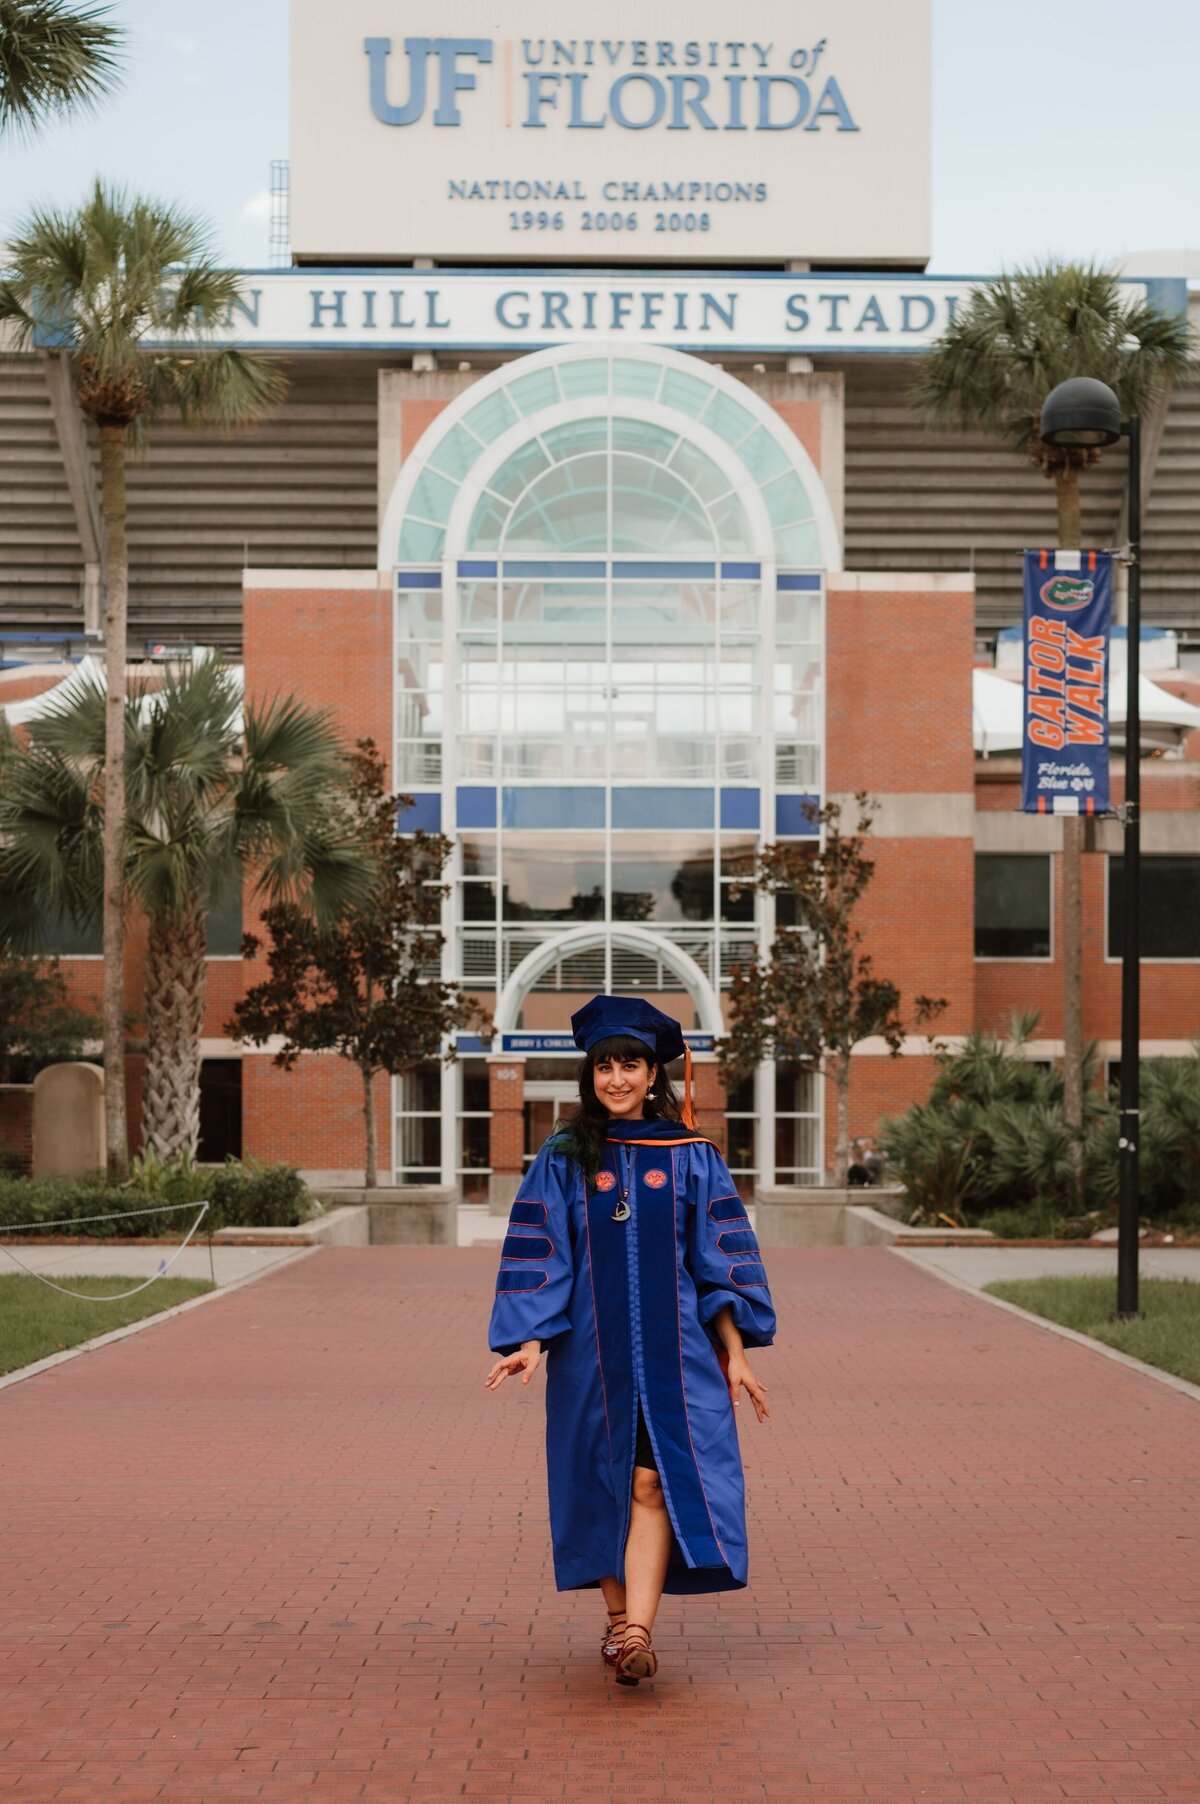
<point x="635" y="131"/>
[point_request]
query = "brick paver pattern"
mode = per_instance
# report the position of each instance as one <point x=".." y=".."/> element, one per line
<point x="285" y="1546"/>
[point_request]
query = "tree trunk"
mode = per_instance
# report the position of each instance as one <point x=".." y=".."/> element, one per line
<point x="841" y="1151"/>
<point x="1069" y="539"/>
<point x="115" y="566"/>
<point x="372" y="1163"/>
<point x="174" y="1020"/>
<point x="1070" y="530"/>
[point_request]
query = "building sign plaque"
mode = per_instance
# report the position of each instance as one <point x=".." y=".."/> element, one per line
<point x="636" y="131"/>
<point x="525" y="310"/>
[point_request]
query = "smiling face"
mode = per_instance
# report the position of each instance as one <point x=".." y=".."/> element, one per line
<point x="621" y="1085"/>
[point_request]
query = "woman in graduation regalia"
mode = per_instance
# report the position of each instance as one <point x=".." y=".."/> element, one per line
<point x="629" y="1257"/>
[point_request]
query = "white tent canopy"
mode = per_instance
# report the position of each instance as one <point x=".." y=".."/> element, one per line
<point x="88" y="670"/>
<point x="998" y="713"/>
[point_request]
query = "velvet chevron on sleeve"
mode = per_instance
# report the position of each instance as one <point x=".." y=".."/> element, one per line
<point x="625" y="1303"/>
<point x="724" y="1257"/>
<point x="533" y="1289"/>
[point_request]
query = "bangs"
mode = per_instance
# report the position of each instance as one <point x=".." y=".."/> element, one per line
<point x="620" y="1047"/>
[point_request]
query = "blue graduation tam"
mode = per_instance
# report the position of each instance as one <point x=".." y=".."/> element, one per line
<point x="604" y="1017"/>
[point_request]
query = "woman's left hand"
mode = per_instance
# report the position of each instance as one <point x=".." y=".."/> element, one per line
<point x="740" y="1377"/>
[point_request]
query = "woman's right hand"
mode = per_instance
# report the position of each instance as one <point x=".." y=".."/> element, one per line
<point x="525" y="1360"/>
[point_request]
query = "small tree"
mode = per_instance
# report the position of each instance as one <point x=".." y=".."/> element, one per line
<point x="39" y="1024"/>
<point x="367" y="987"/>
<point x="53" y="57"/>
<point x="817" y="996"/>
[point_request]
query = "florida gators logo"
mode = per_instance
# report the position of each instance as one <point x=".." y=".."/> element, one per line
<point x="656" y="1179"/>
<point x="1066" y="593"/>
<point x="605" y="1180"/>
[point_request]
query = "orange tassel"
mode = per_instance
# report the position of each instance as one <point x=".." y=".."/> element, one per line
<point x="689" y="1114"/>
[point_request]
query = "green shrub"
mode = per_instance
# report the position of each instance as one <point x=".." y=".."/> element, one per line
<point x="1037" y="1221"/>
<point x="258" y="1196"/>
<point x="47" y="1200"/>
<point x="991" y="1143"/>
<point x="993" y="1135"/>
<point x="239" y="1195"/>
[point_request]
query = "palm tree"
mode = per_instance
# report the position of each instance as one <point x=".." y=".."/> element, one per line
<point x="211" y="789"/>
<point x="111" y="284"/>
<point x="52" y="57"/>
<point x="1019" y="336"/>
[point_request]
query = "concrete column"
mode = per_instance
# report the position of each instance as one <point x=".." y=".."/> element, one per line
<point x="506" y="1139"/>
<point x="410" y="400"/>
<point x="813" y="405"/>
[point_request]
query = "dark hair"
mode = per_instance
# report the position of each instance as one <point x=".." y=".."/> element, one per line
<point x="581" y="1135"/>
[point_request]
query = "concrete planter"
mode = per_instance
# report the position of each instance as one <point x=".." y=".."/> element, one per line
<point x="405" y="1214"/>
<point x="811" y="1215"/>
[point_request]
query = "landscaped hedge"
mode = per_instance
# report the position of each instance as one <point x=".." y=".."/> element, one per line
<point x="991" y="1145"/>
<point x="241" y="1196"/>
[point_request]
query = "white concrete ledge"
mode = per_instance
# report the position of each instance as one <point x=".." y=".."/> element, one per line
<point x="863" y="1226"/>
<point x="870" y="582"/>
<point x="917" y="815"/>
<point x="315" y="579"/>
<point x="346" y="1227"/>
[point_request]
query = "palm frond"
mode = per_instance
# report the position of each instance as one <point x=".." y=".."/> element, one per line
<point x="51" y="847"/>
<point x="1025" y="331"/>
<point x="73" y="725"/>
<point x="114" y="281"/>
<point x="224" y="386"/>
<point x="54" y="56"/>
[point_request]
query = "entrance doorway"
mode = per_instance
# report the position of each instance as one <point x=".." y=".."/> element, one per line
<point x="547" y="1100"/>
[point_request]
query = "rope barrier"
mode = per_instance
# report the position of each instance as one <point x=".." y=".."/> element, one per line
<point x="119" y="1296"/>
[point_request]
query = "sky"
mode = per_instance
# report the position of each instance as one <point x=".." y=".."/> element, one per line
<point x="1064" y="127"/>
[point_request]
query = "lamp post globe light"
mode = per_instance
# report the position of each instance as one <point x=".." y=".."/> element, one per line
<point x="1084" y="412"/>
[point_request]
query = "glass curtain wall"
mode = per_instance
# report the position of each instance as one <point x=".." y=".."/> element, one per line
<point x="626" y="674"/>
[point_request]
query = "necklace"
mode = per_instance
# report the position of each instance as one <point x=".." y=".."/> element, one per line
<point x="622" y="1212"/>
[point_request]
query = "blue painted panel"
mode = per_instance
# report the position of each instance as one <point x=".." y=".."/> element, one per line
<point x="563" y="807"/>
<point x="741" y="572"/>
<point x="471" y="1043"/>
<point x="477" y="566"/>
<point x="476" y="807"/>
<point x="418" y="579"/>
<point x="646" y="568"/>
<point x="663" y="808"/>
<point x="424" y="816"/>
<point x="741" y="808"/>
<point x="791" y="816"/>
<point x="798" y="579"/>
<point x="543" y="569"/>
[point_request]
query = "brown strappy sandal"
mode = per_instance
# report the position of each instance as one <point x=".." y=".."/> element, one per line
<point x="613" y="1636"/>
<point x="637" y="1659"/>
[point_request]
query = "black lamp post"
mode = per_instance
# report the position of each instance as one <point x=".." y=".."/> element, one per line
<point x="1082" y="411"/>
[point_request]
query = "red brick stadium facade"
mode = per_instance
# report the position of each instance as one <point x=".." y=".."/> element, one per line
<point x="893" y="716"/>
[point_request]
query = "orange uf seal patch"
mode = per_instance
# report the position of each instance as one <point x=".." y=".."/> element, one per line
<point x="656" y="1179"/>
<point x="605" y="1180"/>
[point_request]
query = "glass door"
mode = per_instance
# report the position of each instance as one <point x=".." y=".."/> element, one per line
<point x="546" y="1101"/>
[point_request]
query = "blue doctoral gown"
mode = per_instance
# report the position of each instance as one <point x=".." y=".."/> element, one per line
<point x="626" y="1310"/>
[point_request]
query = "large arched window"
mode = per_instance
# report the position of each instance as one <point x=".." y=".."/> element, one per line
<point x="646" y="450"/>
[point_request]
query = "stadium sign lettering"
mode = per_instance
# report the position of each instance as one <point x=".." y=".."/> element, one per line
<point x="575" y="82"/>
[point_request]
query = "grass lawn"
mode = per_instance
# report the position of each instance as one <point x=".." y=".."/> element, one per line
<point x="36" y="1321"/>
<point x="1167" y="1336"/>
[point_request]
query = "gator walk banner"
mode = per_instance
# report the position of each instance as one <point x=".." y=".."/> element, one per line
<point x="1068" y="616"/>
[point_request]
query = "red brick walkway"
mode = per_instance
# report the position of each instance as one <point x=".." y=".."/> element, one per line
<point x="285" y="1544"/>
